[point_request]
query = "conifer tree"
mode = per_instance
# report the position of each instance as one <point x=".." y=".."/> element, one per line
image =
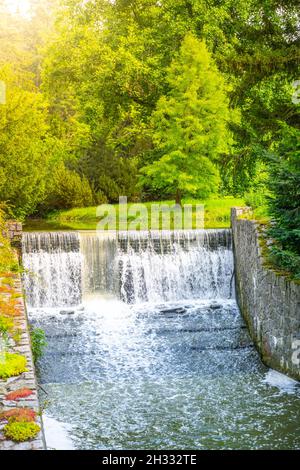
<point x="190" y="125"/>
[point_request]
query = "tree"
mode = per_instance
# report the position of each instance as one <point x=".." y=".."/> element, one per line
<point x="24" y="148"/>
<point x="284" y="206"/>
<point x="190" y="125"/>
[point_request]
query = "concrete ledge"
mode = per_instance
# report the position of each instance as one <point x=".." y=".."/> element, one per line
<point x="269" y="302"/>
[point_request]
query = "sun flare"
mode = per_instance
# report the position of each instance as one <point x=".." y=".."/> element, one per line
<point x="19" y="6"/>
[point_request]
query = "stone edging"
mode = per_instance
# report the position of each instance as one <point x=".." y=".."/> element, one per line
<point x="25" y="380"/>
<point x="269" y="301"/>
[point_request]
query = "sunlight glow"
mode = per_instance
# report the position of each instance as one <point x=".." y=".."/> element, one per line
<point x="19" y="6"/>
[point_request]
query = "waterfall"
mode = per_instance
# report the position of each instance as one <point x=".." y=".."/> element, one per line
<point x="170" y="266"/>
<point x="153" y="333"/>
<point x="136" y="267"/>
<point x="52" y="263"/>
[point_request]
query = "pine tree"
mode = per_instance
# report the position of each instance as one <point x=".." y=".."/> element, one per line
<point x="284" y="206"/>
<point x="190" y="125"/>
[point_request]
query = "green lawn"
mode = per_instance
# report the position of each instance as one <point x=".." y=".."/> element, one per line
<point x="216" y="215"/>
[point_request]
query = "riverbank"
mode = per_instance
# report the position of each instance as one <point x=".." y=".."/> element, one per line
<point x="216" y="215"/>
<point x="20" y="420"/>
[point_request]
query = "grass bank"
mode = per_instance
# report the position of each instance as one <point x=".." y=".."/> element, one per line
<point x="216" y="215"/>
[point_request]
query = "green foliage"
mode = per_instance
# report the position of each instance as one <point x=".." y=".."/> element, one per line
<point x="21" y="431"/>
<point x="88" y="86"/>
<point x="190" y="124"/>
<point x="11" y="365"/>
<point x="6" y="325"/>
<point x="38" y="343"/>
<point x="258" y="195"/>
<point x="67" y="189"/>
<point x="8" y="262"/>
<point x="23" y="152"/>
<point x="284" y="206"/>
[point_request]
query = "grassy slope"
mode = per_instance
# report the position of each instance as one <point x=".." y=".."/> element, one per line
<point x="217" y="214"/>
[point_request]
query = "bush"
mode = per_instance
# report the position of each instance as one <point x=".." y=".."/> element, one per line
<point x="100" y="198"/>
<point x="258" y="194"/>
<point x="12" y="365"/>
<point x="21" y="431"/>
<point x="38" y="343"/>
<point x="67" y="190"/>
<point x="18" y="394"/>
<point x="8" y="261"/>
<point x="255" y="199"/>
<point x="6" y="325"/>
<point x="109" y="188"/>
<point x="18" y="415"/>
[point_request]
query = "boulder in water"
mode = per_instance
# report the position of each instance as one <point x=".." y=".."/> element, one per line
<point x="215" y="306"/>
<point x="173" y="310"/>
<point x="67" y="312"/>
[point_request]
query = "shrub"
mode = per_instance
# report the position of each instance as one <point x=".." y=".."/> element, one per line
<point x="259" y="192"/>
<point x="8" y="261"/>
<point x="6" y="325"/>
<point x="12" y="365"/>
<point x="109" y="188"/>
<point x="21" y="431"/>
<point x="100" y="197"/>
<point x="255" y="199"/>
<point x="9" y="308"/>
<point x="18" y="415"/>
<point x="68" y="190"/>
<point x="18" y="394"/>
<point x="38" y="343"/>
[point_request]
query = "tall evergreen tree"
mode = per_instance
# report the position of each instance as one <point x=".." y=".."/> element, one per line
<point x="284" y="206"/>
<point x="190" y="125"/>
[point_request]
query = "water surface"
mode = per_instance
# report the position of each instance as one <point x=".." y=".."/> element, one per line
<point x="147" y="348"/>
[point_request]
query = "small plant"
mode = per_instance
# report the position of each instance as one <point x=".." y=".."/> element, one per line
<point x="11" y="365"/>
<point x="6" y="325"/>
<point x="5" y="289"/>
<point x="7" y="275"/>
<point x="10" y="308"/>
<point x="38" y="342"/>
<point x="18" y="394"/>
<point x="8" y="281"/>
<point x="21" y="431"/>
<point x="18" y="415"/>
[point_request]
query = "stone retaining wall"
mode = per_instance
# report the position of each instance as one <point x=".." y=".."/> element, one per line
<point x="14" y="232"/>
<point x="25" y="380"/>
<point x="269" y="302"/>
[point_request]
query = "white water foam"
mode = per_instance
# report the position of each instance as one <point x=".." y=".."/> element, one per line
<point x="63" y="269"/>
<point x="57" y="434"/>
<point x="284" y="383"/>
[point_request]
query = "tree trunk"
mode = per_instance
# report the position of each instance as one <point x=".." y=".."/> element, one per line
<point x="178" y="197"/>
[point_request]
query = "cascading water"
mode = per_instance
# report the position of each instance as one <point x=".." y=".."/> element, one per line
<point x="146" y="345"/>
<point x="137" y="267"/>
<point x="53" y="265"/>
<point x="170" y="266"/>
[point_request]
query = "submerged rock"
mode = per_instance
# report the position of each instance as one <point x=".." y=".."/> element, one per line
<point x="215" y="306"/>
<point x="173" y="310"/>
<point x="67" y="312"/>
